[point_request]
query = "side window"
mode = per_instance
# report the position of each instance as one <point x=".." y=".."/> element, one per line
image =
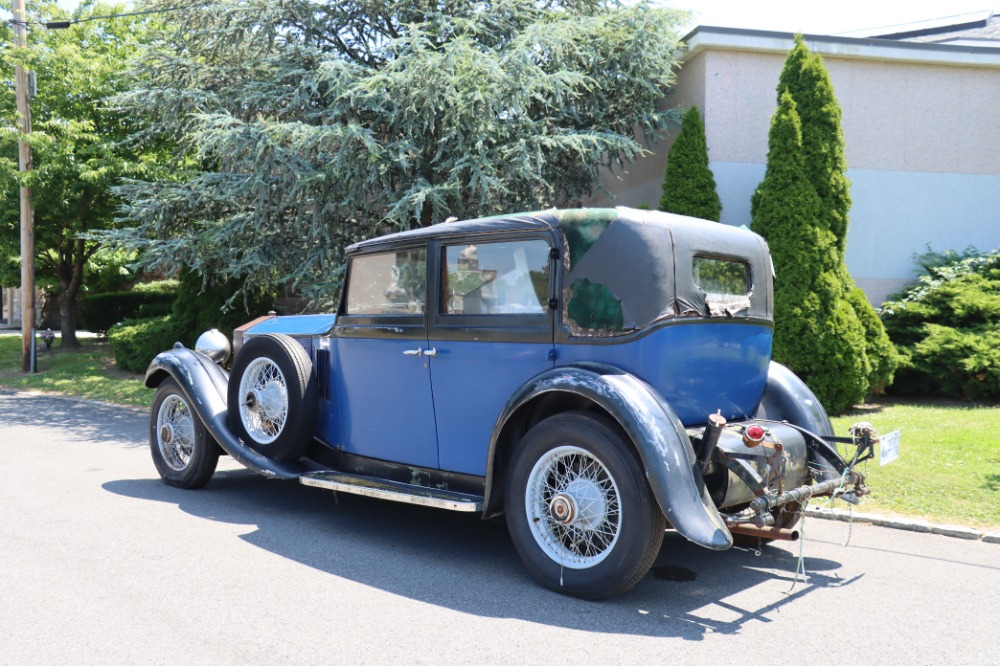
<point x="726" y="284"/>
<point x="496" y="278"/>
<point x="391" y="283"/>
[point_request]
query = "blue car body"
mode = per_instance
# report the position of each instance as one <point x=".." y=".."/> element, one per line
<point x="454" y="341"/>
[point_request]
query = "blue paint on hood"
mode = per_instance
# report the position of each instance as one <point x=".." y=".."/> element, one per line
<point x="295" y="325"/>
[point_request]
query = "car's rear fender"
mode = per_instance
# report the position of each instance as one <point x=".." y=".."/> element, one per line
<point x="787" y="398"/>
<point x="649" y="422"/>
<point x="204" y="384"/>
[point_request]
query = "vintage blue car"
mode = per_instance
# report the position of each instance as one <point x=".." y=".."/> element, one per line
<point x="597" y="375"/>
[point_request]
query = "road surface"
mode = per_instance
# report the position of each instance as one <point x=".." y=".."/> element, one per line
<point x="101" y="563"/>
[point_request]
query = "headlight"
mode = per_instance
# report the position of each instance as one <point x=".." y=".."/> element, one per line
<point x="214" y="345"/>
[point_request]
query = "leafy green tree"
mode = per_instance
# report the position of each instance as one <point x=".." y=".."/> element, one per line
<point x="688" y="185"/>
<point x="817" y="333"/>
<point x="306" y="125"/>
<point x="807" y="79"/>
<point x="80" y="145"/>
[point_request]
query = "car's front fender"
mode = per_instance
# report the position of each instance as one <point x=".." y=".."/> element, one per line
<point x="658" y="435"/>
<point x="204" y="384"/>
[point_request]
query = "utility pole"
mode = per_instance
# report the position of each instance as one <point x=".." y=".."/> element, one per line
<point x="27" y="211"/>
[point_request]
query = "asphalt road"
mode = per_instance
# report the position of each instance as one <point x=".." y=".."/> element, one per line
<point x="100" y="562"/>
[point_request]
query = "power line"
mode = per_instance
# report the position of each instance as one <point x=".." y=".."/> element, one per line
<point x="58" y="25"/>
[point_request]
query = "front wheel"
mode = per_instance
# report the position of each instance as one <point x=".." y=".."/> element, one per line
<point x="579" y="509"/>
<point x="183" y="452"/>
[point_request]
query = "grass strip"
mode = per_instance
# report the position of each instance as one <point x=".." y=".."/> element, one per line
<point x="86" y="372"/>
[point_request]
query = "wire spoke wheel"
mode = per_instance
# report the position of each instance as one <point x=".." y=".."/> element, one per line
<point x="183" y="452"/>
<point x="579" y="508"/>
<point x="175" y="433"/>
<point x="273" y="402"/>
<point x="574" y="507"/>
<point x="264" y="407"/>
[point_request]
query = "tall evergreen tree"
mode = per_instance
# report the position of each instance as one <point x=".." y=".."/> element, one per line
<point x="309" y="124"/>
<point x="688" y="185"/>
<point x="816" y="333"/>
<point x="807" y="79"/>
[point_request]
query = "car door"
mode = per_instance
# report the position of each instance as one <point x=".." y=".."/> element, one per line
<point x="380" y="373"/>
<point x="491" y="332"/>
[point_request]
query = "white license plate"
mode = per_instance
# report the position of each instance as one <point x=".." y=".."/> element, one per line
<point x="888" y="447"/>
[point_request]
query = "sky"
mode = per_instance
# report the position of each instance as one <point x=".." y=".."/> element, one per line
<point x="805" y="16"/>
<point x="815" y="17"/>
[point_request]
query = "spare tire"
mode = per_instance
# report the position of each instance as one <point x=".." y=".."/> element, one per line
<point x="272" y="397"/>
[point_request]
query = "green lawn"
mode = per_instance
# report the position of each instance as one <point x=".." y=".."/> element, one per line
<point x="948" y="469"/>
<point x="86" y="372"/>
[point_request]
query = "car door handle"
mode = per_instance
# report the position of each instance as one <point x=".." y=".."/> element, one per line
<point x="431" y="352"/>
<point x="413" y="352"/>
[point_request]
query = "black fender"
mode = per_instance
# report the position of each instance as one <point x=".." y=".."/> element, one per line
<point x="659" y="437"/>
<point x="787" y="398"/>
<point x="204" y="383"/>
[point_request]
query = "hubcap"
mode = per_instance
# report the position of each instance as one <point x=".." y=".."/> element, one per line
<point x="563" y="509"/>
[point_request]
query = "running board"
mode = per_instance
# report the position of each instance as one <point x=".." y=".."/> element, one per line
<point x="394" y="491"/>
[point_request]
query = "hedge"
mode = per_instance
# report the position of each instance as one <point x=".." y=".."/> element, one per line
<point x="99" y="312"/>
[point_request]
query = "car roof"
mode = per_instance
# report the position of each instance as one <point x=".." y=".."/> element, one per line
<point x="534" y="221"/>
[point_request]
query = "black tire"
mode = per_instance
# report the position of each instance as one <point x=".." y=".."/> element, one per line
<point x="183" y="452"/>
<point x="272" y="397"/>
<point x="572" y="462"/>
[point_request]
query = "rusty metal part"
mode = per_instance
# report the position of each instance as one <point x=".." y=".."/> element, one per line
<point x="709" y="440"/>
<point x="562" y="508"/>
<point x="855" y="480"/>
<point x="781" y="533"/>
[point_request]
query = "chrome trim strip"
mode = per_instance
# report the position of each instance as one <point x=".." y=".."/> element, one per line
<point x="420" y="495"/>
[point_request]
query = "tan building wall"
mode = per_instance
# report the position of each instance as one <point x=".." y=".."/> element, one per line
<point x="921" y="128"/>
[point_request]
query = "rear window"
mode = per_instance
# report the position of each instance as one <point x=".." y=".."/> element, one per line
<point x="726" y="284"/>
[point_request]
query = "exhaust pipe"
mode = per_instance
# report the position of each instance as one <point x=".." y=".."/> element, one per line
<point x="779" y="533"/>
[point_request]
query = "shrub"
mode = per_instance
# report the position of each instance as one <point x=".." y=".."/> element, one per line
<point x="688" y="185"/>
<point x="195" y="308"/>
<point x="947" y="328"/>
<point x="134" y="343"/>
<point x="99" y="312"/>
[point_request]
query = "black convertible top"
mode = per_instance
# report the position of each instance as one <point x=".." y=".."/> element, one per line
<point x="624" y="268"/>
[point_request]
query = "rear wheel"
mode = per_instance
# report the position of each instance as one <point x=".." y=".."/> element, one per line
<point x="579" y="509"/>
<point x="272" y="397"/>
<point x="183" y="452"/>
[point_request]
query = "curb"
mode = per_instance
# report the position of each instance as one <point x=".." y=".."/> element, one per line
<point x="909" y="524"/>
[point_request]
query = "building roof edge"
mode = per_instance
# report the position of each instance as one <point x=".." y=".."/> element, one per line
<point x="764" y="41"/>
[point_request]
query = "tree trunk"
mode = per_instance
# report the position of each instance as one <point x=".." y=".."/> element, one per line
<point x="70" y="281"/>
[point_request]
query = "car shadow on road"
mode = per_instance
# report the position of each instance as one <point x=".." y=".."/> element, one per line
<point x="461" y="562"/>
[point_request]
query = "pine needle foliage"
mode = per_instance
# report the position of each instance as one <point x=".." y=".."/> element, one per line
<point x="688" y="185"/>
<point x="817" y="333"/>
<point x="303" y="125"/>
<point x="807" y="79"/>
